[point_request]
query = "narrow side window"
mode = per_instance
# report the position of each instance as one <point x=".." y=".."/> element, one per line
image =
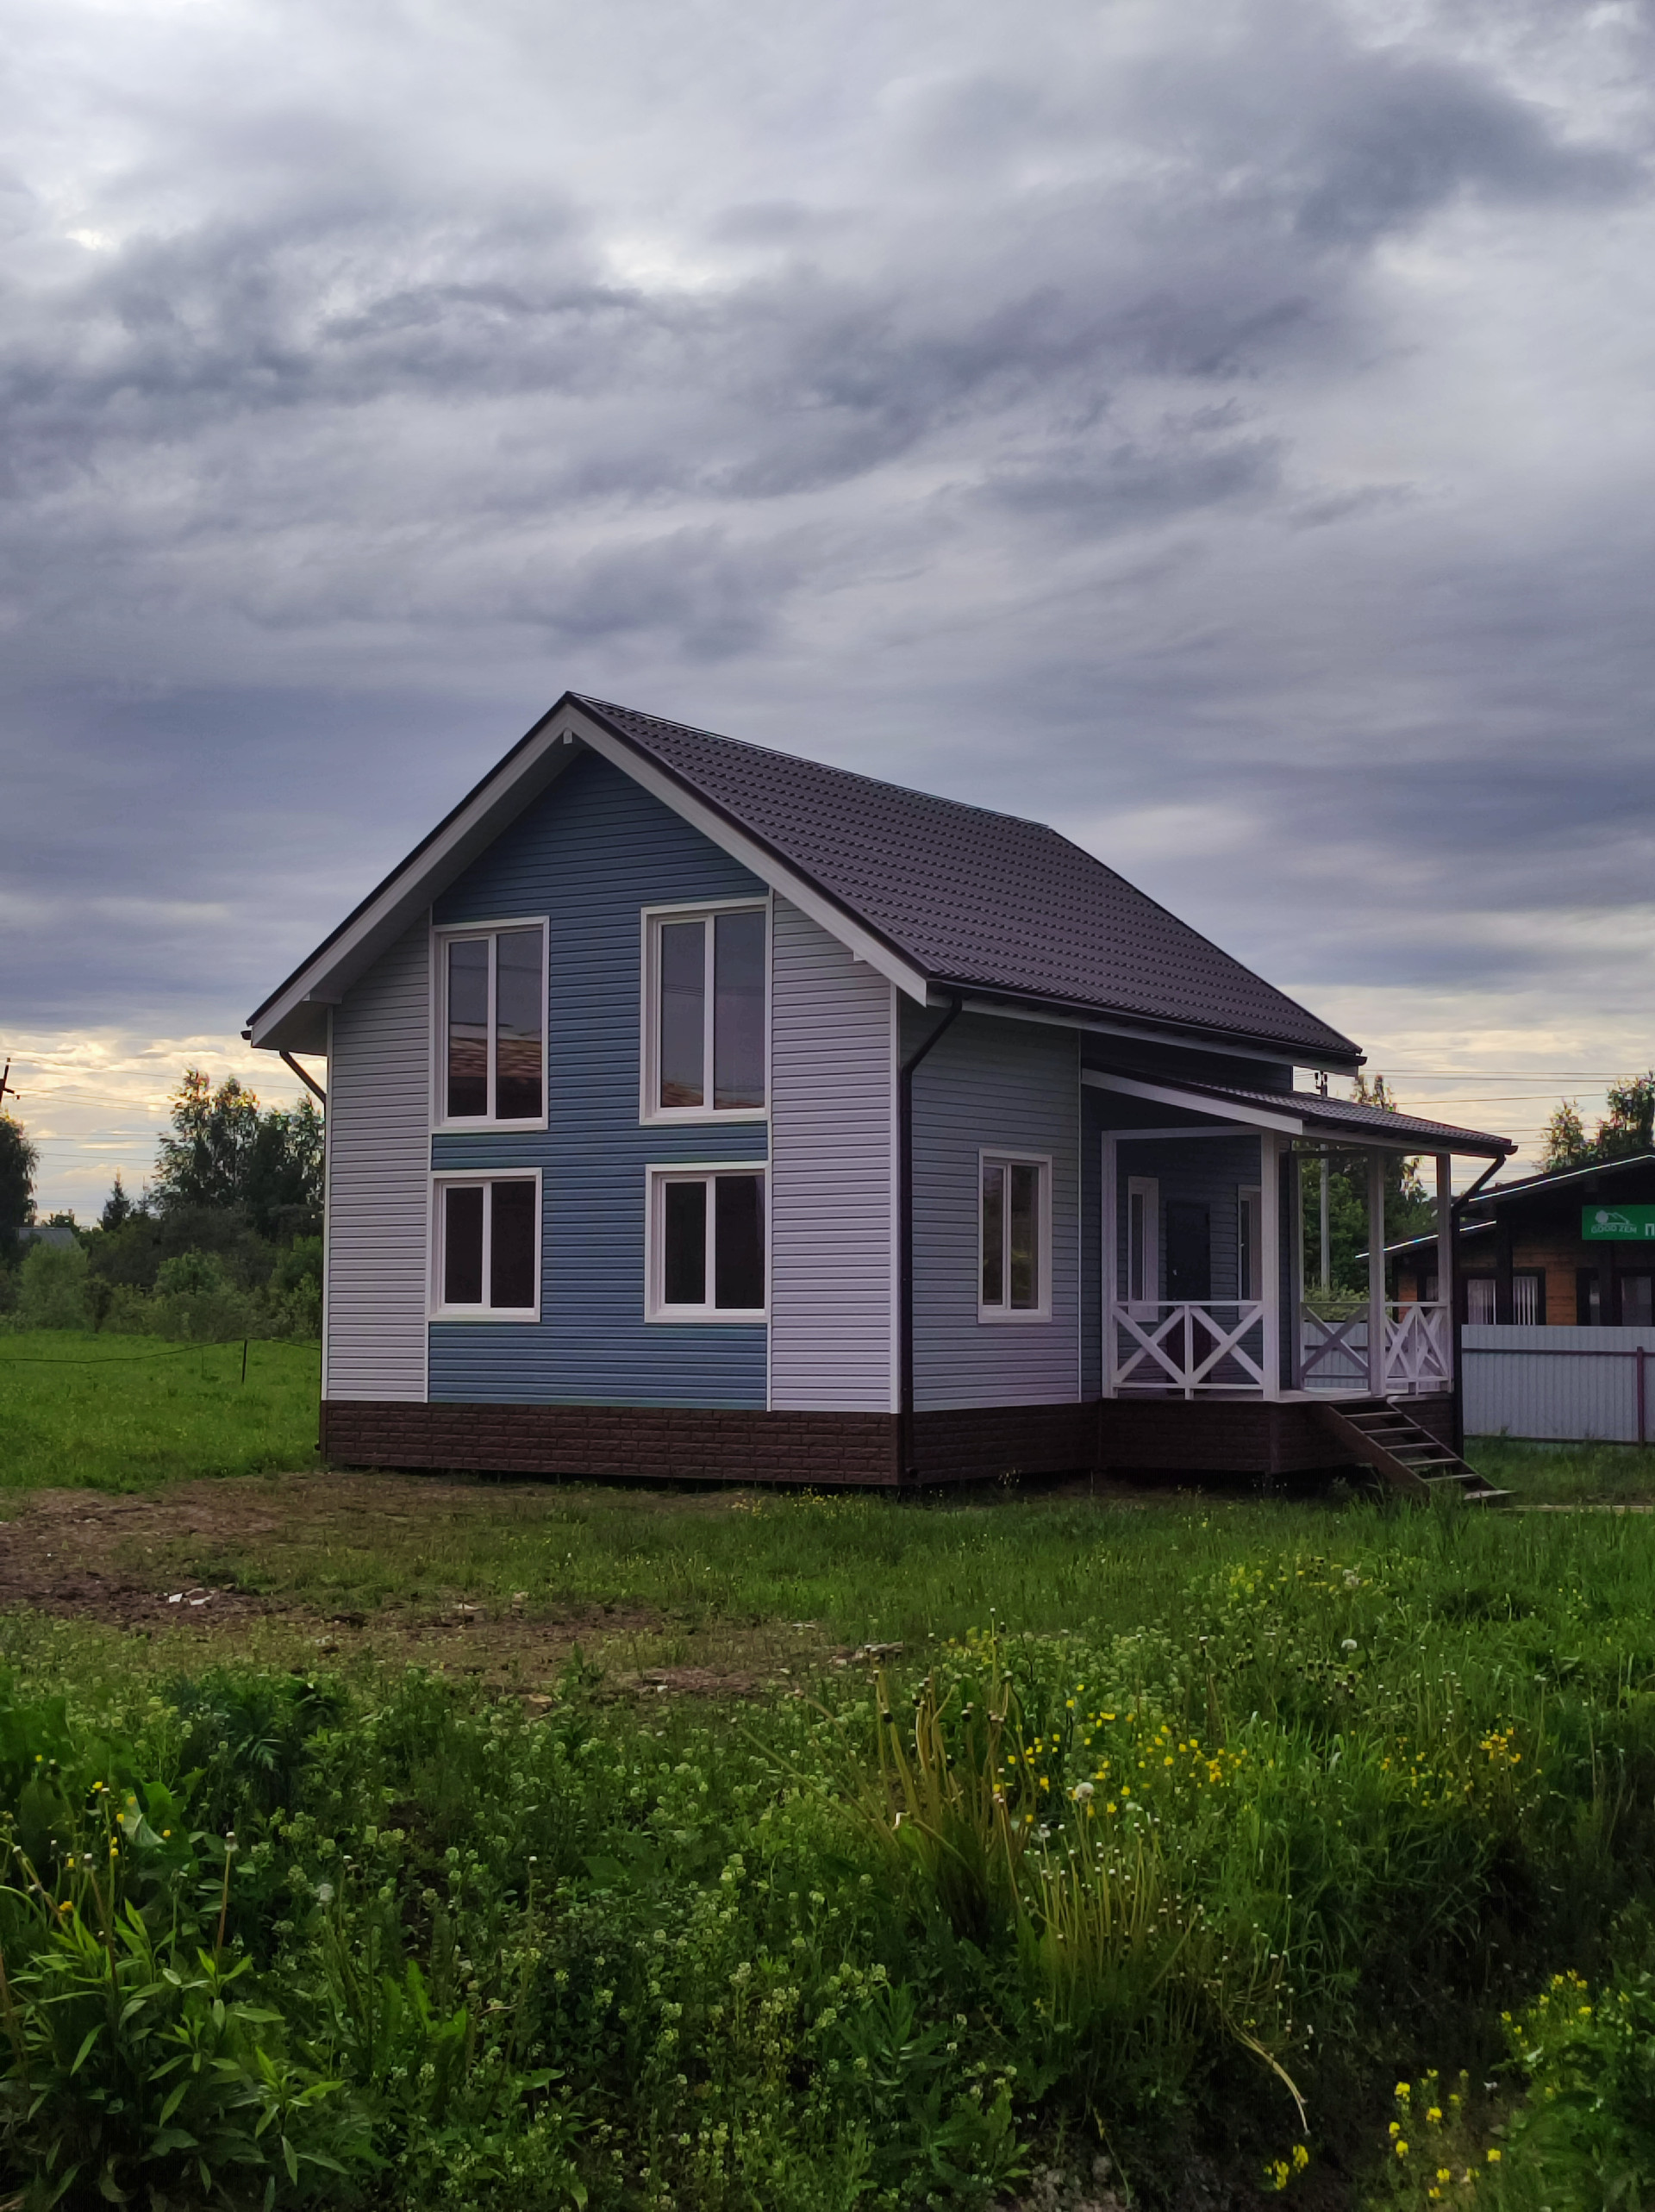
<point x="519" y="1014"/>
<point x="468" y="1029"/>
<point x="993" y="1234"/>
<point x="682" y="1040"/>
<point x="462" y="1245"/>
<point x="739" y="1009"/>
<point x="683" y="1266"/>
<point x="511" y="1254"/>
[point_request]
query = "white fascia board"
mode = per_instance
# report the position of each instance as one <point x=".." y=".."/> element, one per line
<point x="1100" y="1025"/>
<point x="1191" y="1101"/>
<point x="299" y="1011"/>
<point x="860" y="942"/>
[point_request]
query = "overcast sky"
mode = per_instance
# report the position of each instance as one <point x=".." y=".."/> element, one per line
<point x="1222" y="430"/>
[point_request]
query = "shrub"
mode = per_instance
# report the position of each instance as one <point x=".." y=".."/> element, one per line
<point x="51" y="1288"/>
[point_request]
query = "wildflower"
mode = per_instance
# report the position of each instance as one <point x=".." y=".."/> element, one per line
<point x="1443" y="2174"/>
<point x="1395" y="2127"/>
<point x="1434" y="2115"/>
<point x="1401" y="2092"/>
<point x="1494" y="2156"/>
<point x="1349" y="1644"/>
<point x="1400" y="2147"/>
<point x="1301" y="2156"/>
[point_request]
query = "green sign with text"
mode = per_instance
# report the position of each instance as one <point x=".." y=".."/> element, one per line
<point x="1617" y="1221"/>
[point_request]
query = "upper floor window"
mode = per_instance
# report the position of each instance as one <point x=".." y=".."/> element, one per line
<point x="492" y="1023"/>
<point x="705" y="1012"/>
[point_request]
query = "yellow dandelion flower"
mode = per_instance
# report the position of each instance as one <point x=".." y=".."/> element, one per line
<point x="1494" y="2156"/>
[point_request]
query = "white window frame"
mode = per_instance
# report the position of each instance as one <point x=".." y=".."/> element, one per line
<point x="656" y="1179"/>
<point x="442" y="935"/>
<point x="996" y="1316"/>
<point x="1148" y="1188"/>
<point x="1249" y="1211"/>
<point x="652" y="918"/>
<point x="441" y="1179"/>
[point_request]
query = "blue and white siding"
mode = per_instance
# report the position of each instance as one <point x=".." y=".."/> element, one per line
<point x="833" y="1183"/>
<point x="989" y="1084"/>
<point x="591" y="853"/>
<point x="379" y="1179"/>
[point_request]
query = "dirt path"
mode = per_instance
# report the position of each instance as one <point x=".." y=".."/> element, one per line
<point x="377" y="1567"/>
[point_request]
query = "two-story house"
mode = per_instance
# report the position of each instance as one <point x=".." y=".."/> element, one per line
<point x="698" y="1110"/>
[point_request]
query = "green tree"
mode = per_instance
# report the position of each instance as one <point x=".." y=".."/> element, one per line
<point x="225" y="1152"/>
<point x="1410" y="1209"/>
<point x="18" y="1161"/>
<point x="1626" y="1130"/>
<point x="51" y="1288"/>
<point x="117" y="1207"/>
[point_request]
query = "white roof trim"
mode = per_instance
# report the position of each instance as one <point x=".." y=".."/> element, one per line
<point x="739" y="846"/>
<point x="330" y="972"/>
<point x="1167" y="1094"/>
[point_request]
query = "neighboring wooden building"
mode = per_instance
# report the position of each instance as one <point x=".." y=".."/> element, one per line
<point x="1571" y="1249"/>
<point x="697" y="1110"/>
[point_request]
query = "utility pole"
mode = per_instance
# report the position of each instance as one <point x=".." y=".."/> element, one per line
<point x="7" y="1088"/>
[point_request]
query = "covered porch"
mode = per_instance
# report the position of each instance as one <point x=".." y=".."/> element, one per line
<point x="1206" y="1294"/>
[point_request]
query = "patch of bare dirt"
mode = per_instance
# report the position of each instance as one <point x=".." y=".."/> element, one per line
<point x="168" y="1565"/>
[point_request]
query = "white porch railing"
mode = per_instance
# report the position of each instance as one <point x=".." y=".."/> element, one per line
<point x="1186" y="1346"/>
<point x="1419" y="1349"/>
<point x="1334" y="1347"/>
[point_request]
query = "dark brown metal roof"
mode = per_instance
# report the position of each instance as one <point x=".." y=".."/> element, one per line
<point x="1336" y="1117"/>
<point x="979" y="901"/>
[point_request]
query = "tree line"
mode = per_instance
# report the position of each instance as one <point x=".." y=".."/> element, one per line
<point x="224" y="1239"/>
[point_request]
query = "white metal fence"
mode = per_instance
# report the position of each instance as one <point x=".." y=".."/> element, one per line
<point x="1559" y="1384"/>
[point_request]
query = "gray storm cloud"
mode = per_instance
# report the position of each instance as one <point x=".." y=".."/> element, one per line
<point x="1238" y="410"/>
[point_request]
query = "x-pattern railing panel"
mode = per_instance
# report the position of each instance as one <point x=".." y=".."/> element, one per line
<point x="1170" y="1344"/>
<point x="1417" y="1346"/>
<point x="1337" y="1347"/>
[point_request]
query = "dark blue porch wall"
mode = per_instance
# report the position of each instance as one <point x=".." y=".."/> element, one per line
<point x="1209" y="1171"/>
<point x="589" y="853"/>
<point x="990" y="1082"/>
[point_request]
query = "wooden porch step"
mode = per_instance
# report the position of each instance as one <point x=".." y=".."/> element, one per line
<point x="1378" y="1434"/>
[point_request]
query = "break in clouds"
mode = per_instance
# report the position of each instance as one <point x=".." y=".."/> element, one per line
<point x="1221" y="431"/>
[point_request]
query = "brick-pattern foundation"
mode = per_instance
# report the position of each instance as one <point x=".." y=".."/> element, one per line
<point x="612" y="1443"/>
<point x="1214" y="1436"/>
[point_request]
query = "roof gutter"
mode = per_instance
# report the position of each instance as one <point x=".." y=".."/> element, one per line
<point x="906" y="1470"/>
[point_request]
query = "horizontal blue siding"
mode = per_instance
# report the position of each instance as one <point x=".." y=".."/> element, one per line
<point x="591" y="853"/>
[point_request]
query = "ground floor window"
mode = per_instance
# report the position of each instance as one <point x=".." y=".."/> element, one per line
<point x="1479" y="1300"/>
<point x="486" y="1246"/>
<point x="1014" y="1275"/>
<point x="1637" y="1305"/>
<point x="706" y="1257"/>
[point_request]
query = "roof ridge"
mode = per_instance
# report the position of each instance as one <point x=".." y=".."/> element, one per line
<point x="832" y="768"/>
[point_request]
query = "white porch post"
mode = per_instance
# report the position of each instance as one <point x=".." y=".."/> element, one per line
<point x="1295" y="1284"/>
<point x="1376" y="1273"/>
<point x="1445" y="1233"/>
<point x="1270" y="1256"/>
<point x="1111" y="1267"/>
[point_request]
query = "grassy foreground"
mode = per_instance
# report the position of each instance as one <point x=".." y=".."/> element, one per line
<point x="1230" y="1820"/>
<point x="120" y="1413"/>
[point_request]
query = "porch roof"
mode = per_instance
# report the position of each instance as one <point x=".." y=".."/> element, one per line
<point x="1306" y="1114"/>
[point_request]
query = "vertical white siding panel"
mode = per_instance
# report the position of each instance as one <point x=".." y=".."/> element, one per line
<point x="1555" y="1382"/>
<point x="831" y="1174"/>
<point x="379" y="1158"/>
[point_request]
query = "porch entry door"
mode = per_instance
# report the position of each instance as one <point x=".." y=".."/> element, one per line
<point x="1188" y="1251"/>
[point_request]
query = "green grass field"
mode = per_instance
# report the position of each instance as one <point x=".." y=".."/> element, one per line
<point x="121" y="1413"/>
<point x="1158" y="1843"/>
